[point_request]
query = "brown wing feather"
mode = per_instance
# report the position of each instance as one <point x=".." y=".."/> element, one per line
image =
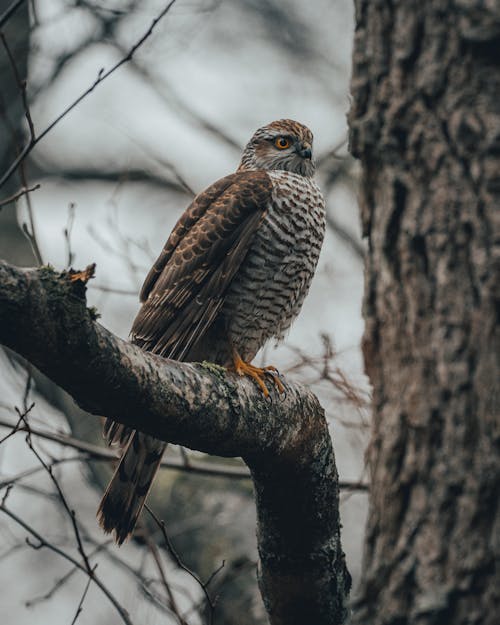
<point x="186" y="287"/>
<point x="190" y="216"/>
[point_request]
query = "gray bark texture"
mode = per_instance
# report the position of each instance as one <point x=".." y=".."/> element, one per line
<point x="286" y="444"/>
<point x="425" y="123"/>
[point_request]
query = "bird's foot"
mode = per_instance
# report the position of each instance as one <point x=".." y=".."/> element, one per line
<point x="259" y="374"/>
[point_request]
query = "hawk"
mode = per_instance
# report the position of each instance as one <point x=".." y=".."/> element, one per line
<point x="233" y="274"/>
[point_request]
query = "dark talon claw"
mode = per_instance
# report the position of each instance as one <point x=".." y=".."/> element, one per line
<point x="258" y="374"/>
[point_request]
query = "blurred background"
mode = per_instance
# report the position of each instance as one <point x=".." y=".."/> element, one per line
<point x="115" y="174"/>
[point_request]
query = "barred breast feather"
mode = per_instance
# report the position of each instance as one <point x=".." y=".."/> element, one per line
<point x="269" y="289"/>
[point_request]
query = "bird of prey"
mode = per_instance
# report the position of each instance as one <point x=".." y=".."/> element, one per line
<point x="232" y="275"/>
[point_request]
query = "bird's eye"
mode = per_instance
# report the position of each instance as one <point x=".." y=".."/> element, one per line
<point x="282" y="143"/>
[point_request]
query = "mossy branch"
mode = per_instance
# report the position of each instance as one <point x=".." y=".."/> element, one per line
<point x="286" y="444"/>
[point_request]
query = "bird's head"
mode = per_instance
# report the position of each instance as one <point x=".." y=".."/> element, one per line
<point x="284" y="144"/>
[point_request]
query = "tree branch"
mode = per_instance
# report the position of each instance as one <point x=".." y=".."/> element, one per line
<point x="42" y="542"/>
<point x="9" y="12"/>
<point x="17" y="195"/>
<point x="102" y="75"/>
<point x="286" y="444"/>
<point x="95" y="452"/>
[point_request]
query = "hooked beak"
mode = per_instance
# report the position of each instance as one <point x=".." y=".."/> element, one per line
<point x="304" y="150"/>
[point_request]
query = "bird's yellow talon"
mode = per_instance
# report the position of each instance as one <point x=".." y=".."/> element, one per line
<point x="258" y="374"/>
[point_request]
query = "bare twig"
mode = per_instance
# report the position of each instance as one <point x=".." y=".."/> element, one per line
<point x="123" y="254"/>
<point x="8" y="13"/>
<point x="21" y="84"/>
<point x="180" y="183"/>
<point x="332" y="153"/>
<point x="136" y="573"/>
<point x="33" y="243"/>
<point x="15" y="196"/>
<point x="214" y="574"/>
<point x="30" y="234"/>
<point x="67" y="234"/>
<point x="161" y="571"/>
<point x="101" y="453"/>
<point x="70" y="511"/>
<point x="85" y="591"/>
<point x="42" y="542"/>
<point x="15" y="426"/>
<point x="6" y="494"/>
<point x="171" y="98"/>
<point x="326" y="370"/>
<point x="32" y="237"/>
<point x="93" y="452"/>
<point x="346" y="236"/>
<point x="123" y="176"/>
<point x="61" y="581"/>
<point x="14" y="479"/>
<point x="175" y="556"/>
<point x="102" y="75"/>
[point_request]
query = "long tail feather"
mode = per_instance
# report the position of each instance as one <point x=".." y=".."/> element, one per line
<point x="126" y="494"/>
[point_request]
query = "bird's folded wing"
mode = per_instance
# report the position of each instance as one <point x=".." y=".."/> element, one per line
<point x="186" y="287"/>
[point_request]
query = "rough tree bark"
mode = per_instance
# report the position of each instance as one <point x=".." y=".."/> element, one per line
<point x="286" y="444"/>
<point x="425" y="122"/>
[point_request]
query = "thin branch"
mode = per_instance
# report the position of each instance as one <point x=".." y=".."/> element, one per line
<point x="29" y="234"/>
<point x="42" y="542"/>
<point x="21" y="85"/>
<point x="49" y="470"/>
<point x="214" y="574"/>
<point x="67" y="234"/>
<point x="85" y="591"/>
<point x="18" y="194"/>
<point x="346" y="236"/>
<point x="61" y="581"/>
<point x="135" y="175"/>
<point x="62" y="498"/>
<point x="16" y="426"/>
<point x="332" y="153"/>
<point x="6" y="494"/>
<point x="14" y="479"/>
<point x="159" y="565"/>
<point x="183" y="106"/>
<point x="94" y="452"/>
<point x="11" y="550"/>
<point x="102" y="75"/>
<point x="8" y="13"/>
<point x="175" y="556"/>
<point x="102" y="453"/>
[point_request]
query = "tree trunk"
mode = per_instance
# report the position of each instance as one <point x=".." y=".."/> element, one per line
<point x="425" y="123"/>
